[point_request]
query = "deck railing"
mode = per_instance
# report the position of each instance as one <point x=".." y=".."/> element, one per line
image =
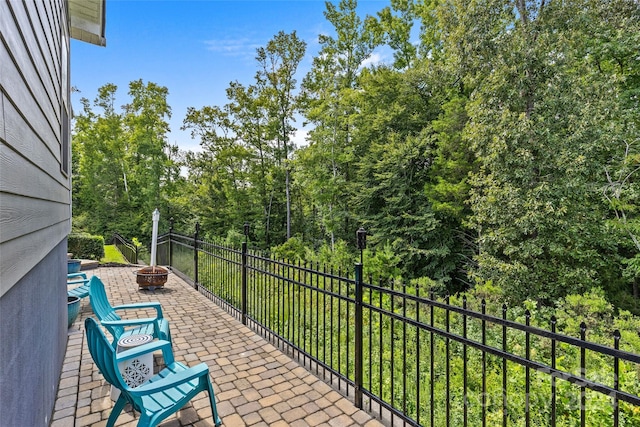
<point x="127" y="248"/>
<point x="412" y="358"/>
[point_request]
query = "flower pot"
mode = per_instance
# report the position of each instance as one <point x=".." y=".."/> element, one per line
<point x="73" y="266"/>
<point x="73" y="309"/>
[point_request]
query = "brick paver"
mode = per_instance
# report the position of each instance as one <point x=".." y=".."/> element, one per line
<point x="255" y="384"/>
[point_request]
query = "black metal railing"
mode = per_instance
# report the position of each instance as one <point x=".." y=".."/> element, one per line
<point x="411" y="358"/>
<point x="127" y="248"/>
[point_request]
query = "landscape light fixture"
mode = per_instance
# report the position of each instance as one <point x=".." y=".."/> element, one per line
<point x="361" y="237"/>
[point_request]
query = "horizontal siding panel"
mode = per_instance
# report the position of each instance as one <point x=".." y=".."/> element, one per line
<point x="21" y="215"/>
<point x="23" y="139"/>
<point x="2" y="133"/>
<point x="21" y="177"/>
<point x="44" y="53"/>
<point x="28" y="76"/>
<point x="10" y="81"/>
<point x="41" y="15"/>
<point x="20" y="255"/>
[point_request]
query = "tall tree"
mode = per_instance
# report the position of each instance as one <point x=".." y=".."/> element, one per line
<point x="147" y="126"/>
<point x="279" y="62"/>
<point x="101" y="174"/>
<point x="537" y="117"/>
<point x="329" y="90"/>
<point x="395" y="31"/>
<point x="125" y="167"/>
<point x="221" y="170"/>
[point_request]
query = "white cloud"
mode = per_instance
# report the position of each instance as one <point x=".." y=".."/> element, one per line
<point x="373" y="59"/>
<point x="233" y="47"/>
<point x="299" y="138"/>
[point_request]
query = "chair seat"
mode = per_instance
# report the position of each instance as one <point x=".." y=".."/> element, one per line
<point x="167" y="399"/>
<point x="80" y="291"/>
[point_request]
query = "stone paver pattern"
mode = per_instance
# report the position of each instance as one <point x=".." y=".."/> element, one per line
<point x="255" y="384"/>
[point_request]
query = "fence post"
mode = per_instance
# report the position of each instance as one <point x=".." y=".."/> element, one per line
<point x="361" y="235"/>
<point x="196" y="236"/>
<point x="170" y="243"/>
<point x="244" y="283"/>
<point x="358" y="338"/>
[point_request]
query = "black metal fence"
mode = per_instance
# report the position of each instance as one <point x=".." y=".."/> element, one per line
<point x="126" y="247"/>
<point x="415" y="359"/>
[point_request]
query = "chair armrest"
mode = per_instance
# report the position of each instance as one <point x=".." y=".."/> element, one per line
<point x="75" y="278"/>
<point x="129" y="322"/>
<point x="165" y="346"/>
<point x="136" y="306"/>
<point x="171" y="381"/>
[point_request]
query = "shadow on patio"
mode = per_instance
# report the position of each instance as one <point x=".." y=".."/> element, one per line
<point x="255" y="384"/>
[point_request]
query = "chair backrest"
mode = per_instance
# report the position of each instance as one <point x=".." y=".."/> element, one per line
<point x="103" y="354"/>
<point x="101" y="306"/>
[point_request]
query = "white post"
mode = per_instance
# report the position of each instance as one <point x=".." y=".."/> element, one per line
<point x="154" y="236"/>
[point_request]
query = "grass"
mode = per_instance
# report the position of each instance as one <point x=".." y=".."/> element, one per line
<point x="112" y="254"/>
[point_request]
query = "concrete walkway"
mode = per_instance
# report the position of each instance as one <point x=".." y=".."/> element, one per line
<point x="255" y="384"/>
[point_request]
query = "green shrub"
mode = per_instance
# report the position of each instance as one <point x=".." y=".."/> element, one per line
<point x="86" y="246"/>
<point x="293" y="250"/>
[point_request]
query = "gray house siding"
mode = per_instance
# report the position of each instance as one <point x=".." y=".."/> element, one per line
<point x="34" y="185"/>
<point x="35" y="206"/>
<point x="34" y="339"/>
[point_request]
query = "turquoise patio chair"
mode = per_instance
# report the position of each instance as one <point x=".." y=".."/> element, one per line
<point x="81" y="291"/>
<point x="157" y="326"/>
<point x="163" y="394"/>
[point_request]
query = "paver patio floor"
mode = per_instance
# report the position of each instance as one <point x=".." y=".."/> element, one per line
<point x="255" y="383"/>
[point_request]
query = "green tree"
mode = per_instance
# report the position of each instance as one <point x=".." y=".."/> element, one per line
<point x="328" y="93"/>
<point x="279" y="62"/>
<point x="220" y="171"/>
<point x="101" y="172"/>
<point x="537" y="124"/>
<point x="395" y="31"/>
<point x="124" y="168"/>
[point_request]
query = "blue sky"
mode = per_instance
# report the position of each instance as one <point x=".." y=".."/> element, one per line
<point x="194" y="48"/>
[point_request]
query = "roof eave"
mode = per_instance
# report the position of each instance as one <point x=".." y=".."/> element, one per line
<point x="88" y="21"/>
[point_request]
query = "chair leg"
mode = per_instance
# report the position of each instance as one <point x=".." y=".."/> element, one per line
<point x="212" y="400"/>
<point x="117" y="409"/>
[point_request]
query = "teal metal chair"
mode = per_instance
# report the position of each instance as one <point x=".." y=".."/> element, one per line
<point x="157" y="326"/>
<point x="160" y="396"/>
<point x="81" y="291"/>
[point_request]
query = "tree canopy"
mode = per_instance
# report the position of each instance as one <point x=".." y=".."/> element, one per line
<point x="499" y="145"/>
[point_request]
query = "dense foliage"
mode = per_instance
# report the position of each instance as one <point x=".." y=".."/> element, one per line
<point x="499" y="146"/>
<point x="416" y="352"/>
<point x="85" y="246"/>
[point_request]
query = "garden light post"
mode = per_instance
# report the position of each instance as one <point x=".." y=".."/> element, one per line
<point x="361" y="236"/>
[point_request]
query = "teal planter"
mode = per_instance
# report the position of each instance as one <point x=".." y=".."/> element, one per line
<point x="73" y="309"/>
<point x="73" y="266"/>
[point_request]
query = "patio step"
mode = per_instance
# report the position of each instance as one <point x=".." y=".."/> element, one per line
<point x="88" y="264"/>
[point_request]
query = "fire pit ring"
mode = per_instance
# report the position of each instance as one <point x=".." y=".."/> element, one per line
<point x="151" y="277"/>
